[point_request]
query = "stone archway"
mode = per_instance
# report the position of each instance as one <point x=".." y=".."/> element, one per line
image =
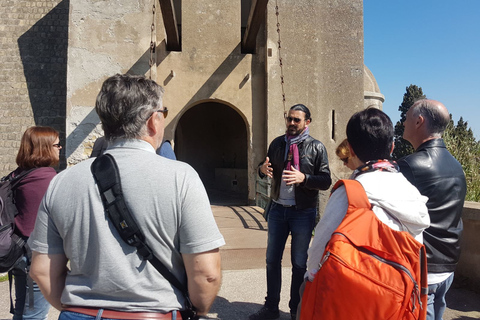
<point x="212" y="138"/>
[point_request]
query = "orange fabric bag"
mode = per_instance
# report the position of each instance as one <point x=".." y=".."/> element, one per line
<point x="368" y="271"/>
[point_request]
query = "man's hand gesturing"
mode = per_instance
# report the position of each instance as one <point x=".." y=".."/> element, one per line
<point x="266" y="168"/>
<point x="293" y="176"/>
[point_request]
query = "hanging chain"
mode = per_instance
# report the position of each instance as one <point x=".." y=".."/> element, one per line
<point x="153" y="45"/>
<point x="280" y="60"/>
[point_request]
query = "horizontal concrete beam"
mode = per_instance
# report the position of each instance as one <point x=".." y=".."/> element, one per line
<point x="170" y="24"/>
<point x="255" y="20"/>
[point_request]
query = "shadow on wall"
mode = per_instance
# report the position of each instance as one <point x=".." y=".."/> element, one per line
<point x="88" y="124"/>
<point x="43" y="50"/>
<point x="213" y="82"/>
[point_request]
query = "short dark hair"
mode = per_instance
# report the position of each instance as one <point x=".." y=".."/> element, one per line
<point x="36" y="148"/>
<point x="124" y="104"/>
<point x="301" y="107"/>
<point x="370" y="133"/>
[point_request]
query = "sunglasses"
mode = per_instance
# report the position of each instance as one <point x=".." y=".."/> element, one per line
<point x="290" y="119"/>
<point x="164" y="111"/>
<point x="57" y="145"/>
<point x="345" y="160"/>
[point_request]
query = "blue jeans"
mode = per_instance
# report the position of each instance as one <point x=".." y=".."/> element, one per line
<point x="69" y="315"/>
<point x="436" y="303"/>
<point x="23" y="298"/>
<point x="281" y="222"/>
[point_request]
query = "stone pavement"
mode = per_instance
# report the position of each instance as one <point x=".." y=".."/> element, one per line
<point x="243" y="262"/>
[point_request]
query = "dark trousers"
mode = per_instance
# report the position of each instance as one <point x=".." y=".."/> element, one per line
<point x="283" y="221"/>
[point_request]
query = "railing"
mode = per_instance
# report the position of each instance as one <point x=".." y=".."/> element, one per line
<point x="262" y="191"/>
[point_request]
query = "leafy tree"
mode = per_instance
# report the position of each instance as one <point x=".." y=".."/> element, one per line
<point x="462" y="144"/>
<point x="458" y="138"/>
<point x="402" y="146"/>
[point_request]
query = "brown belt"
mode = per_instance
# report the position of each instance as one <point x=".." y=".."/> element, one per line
<point x="112" y="314"/>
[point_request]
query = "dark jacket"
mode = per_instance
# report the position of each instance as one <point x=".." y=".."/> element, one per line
<point x="439" y="176"/>
<point x="313" y="163"/>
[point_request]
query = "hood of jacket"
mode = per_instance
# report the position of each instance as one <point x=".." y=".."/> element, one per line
<point x="401" y="202"/>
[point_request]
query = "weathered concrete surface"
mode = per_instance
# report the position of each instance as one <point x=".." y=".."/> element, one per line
<point x="322" y="51"/>
<point x="468" y="268"/>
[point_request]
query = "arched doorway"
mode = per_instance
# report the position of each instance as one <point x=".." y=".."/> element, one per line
<point x="212" y="138"/>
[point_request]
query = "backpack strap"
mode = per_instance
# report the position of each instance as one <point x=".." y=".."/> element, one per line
<point x="10" y="284"/>
<point x="106" y="174"/>
<point x="14" y="180"/>
<point x="357" y="197"/>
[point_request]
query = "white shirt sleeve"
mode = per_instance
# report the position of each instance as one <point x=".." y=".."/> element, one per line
<point x="334" y="213"/>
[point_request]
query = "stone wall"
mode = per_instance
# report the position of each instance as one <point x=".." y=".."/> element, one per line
<point x="50" y="44"/>
<point x="468" y="269"/>
<point x="33" y="64"/>
<point x="322" y="53"/>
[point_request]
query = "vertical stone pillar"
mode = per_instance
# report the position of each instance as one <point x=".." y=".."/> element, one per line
<point x="322" y="52"/>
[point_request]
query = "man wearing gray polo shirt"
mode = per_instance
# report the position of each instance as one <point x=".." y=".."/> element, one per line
<point x="107" y="278"/>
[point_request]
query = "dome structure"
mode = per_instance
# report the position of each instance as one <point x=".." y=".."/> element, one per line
<point x="372" y="95"/>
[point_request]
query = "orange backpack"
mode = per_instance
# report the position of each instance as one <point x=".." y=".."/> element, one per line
<point x="368" y="270"/>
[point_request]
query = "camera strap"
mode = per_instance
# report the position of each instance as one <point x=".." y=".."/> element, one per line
<point x="106" y="175"/>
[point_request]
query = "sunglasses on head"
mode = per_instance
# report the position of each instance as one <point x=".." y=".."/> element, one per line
<point x="290" y="119"/>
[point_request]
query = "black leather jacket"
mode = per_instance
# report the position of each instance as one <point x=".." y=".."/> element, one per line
<point x="439" y="176"/>
<point x="313" y="163"/>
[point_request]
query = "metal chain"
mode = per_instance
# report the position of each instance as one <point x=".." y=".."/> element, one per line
<point x="153" y="44"/>
<point x="280" y="60"/>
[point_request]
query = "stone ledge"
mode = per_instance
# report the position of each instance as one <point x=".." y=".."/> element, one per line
<point x="471" y="211"/>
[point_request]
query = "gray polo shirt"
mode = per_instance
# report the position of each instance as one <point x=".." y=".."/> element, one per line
<point x="170" y="205"/>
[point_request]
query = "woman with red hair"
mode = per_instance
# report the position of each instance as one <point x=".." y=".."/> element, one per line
<point x="40" y="151"/>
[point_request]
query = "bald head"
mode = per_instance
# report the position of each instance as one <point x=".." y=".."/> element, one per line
<point x="435" y="114"/>
<point x="425" y="120"/>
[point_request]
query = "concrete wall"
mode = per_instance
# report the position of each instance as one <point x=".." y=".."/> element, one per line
<point x="47" y="82"/>
<point x="468" y="269"/>
<point x="211" y="67"/>
<point x="33" y="64"/>
<point x="322" y="53"/>
<point x="105" y="37"/>
<point x="322" y="47"/>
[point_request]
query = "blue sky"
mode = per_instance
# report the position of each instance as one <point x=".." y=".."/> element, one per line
<point x="434" y="44"/>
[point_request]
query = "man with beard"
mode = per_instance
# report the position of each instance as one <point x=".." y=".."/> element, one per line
<point x="298" y="165"/>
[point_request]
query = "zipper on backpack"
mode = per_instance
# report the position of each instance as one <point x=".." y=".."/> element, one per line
<point x="416" y="291"/>
<point x="325" y="258"/>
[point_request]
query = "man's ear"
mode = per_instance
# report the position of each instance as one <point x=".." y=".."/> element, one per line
<point x="420" y="121"/>
<point x="151" y="127"/>
<point x="393" y="147"/>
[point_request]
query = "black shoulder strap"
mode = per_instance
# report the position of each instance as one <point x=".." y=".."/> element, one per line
<point x="105" y="172"/>
<point x="14" y="180"/>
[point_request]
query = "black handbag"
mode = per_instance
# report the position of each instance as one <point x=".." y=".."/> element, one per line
<point x="105" y="172"/>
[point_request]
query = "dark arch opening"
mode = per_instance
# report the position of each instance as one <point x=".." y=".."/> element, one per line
<point x="212" y="138"/>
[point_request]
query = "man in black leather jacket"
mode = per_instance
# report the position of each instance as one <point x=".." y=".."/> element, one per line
<point x="298" y="165"/>
<point x="439" y="176"/>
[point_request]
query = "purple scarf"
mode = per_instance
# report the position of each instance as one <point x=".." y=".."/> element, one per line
<point x="292" y="157"/>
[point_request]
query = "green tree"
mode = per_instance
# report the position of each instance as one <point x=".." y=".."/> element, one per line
<point x="459" y="139"/>
<point x="402" y="146"/>
<point x="462" y="144"/>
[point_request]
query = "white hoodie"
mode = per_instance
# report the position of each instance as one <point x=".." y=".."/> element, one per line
<point x="387" y="192"/>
